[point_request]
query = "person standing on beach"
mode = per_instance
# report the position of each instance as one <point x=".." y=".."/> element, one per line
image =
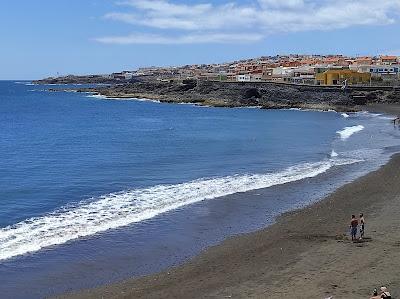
<point x="353" y="227"/>
<point x="384" y="294"/>
<point x="362" y="226"/>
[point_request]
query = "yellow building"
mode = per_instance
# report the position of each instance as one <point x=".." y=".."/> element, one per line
<point x="337" y="77"/>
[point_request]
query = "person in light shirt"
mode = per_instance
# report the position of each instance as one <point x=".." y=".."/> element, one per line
<point x="362" y="226"/>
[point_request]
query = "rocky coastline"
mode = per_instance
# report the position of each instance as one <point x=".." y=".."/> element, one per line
<point x="72" y="79"/>
<point x="267" y="95"/>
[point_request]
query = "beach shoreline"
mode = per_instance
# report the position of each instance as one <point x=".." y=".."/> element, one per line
<point x="307" y="247"/>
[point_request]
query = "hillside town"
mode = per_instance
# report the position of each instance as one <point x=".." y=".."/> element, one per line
<point x="291" y="69"/>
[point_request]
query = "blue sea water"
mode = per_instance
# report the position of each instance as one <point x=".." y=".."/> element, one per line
<point x="95" y="190"/>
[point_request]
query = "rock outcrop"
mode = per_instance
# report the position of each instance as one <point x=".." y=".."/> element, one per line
<point x="268" y="95"/>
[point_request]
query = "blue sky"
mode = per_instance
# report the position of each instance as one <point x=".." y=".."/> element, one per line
<point x="43" y="38"/>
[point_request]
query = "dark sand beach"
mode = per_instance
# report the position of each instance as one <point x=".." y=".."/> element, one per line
<point x="305" y="254"/>
<point x="384" y="108"/>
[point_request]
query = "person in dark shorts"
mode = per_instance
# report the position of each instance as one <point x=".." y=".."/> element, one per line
<point x="362" y="226"/>
<point x="353" y="227"/>
<point x="385" y="293"/>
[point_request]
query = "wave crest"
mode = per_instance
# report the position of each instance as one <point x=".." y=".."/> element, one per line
<point x="348" y="131"/>
<point x="121" y="209"/>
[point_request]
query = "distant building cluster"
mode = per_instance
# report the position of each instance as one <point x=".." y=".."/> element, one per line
<point x="294" y="69"/>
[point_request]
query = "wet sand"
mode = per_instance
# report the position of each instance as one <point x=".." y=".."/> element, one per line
<point x="392" y="109"/>
<point x="305" y="254"/>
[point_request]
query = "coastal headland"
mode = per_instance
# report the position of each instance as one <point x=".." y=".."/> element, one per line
<point x="305" y="254"/>
<point x="267" y="95"/>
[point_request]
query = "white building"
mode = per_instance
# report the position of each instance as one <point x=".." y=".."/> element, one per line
<point x="302" y="75"/>
<point x="282" y="73"/>
<point x="256" y="77"/>
<point x="243" y="78"/>
<point x="128" y="75"/>
<point x="387" y="71"/>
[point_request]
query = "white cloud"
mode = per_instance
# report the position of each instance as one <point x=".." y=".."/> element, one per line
<point x="140" y="38"/>
<point x="167" y="8"/>
<point x="281" y="4"/>
<point x="164" y="15"/>
<point x="260" y="17"/>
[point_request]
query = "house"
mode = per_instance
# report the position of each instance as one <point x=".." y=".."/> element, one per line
<point x="266" y="73"/>
<point x="387" y="60"/>
<point x="106" y="76"/>
<point x="256" y="77"/>
<point x="243" y="78"/>
<point x="282" y="74"/>
<point x="209" y="76"/>
<point x="386" y="72"/>
<point x="318" y="69"/>
<point x="118" y="76"/>
<point x="128" y="75"/>
<point x="231" y="76"/>
<point x="303" y="75"/>
<point x="338" y="77"/>
<point x="310" y="61"/>
<point x="335" y="60"/>
<point x="365" y="60"/>
<point x="290" y="63"/>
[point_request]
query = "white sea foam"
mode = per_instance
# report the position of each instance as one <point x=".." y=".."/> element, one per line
<point x="120" y="209"/>
<point x="99" y="96"/>
<point x="387" y="117"/>
<point x="345" y="115"/>
<point x="96" y="96"/>
<point x="145" y="100"/>
<point x="367" y="114"/>
<point x="348" y="131"/>
<point x="248" y="107"/>
<point x="374" y="115"/>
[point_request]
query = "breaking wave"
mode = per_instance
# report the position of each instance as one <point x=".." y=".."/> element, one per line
<point x="334" y="154"/>
<point x="348" y="131"/>
<point x="97" y="96"/>
<point x="121" y="209"/>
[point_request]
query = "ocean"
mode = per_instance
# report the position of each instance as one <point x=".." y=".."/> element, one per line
<point x="95" y="191"/>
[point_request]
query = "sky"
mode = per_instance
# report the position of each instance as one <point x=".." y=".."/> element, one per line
<point x="59" y="37"/>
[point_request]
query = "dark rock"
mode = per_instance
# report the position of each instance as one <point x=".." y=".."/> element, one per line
<point x="269" y="95"/>
<point x="252" y="93"/>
